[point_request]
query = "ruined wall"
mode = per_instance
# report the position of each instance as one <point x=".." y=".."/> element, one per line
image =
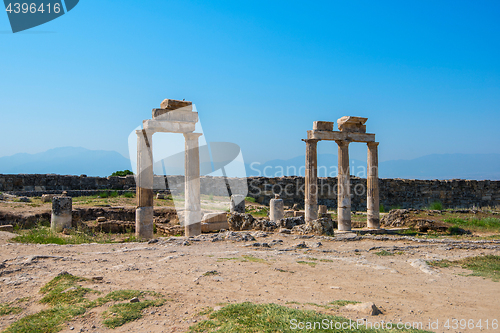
<point x="402" y="193"/>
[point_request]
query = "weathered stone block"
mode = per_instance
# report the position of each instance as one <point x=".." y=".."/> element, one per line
<point x="352" y="124"/>
<point x="61" y="213"/>
<point x="323" y="126"/>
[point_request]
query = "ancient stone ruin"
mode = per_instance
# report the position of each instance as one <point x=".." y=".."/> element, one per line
<point x="173" y="117"/>
<point x="351" y="129"/>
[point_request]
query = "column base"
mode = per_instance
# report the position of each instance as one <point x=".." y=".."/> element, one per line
<point x="373" y="224"/>
<point x="144" y="222"/>
<point x="311" y="212"/>
<point x="192" y="230"/>
<point x="344" y="225"/>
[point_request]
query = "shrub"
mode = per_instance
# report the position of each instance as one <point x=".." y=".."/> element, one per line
<point x="436" y="205"/>
<point x="122" y="173"/>
<point x="382" y="208"/>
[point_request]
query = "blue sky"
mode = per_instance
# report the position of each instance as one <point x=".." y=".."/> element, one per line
<point x="425" y="73"/>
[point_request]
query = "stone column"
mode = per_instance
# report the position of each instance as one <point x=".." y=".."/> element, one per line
<point x="311" y="186"/>
<point x="373" y="206"/>
<point x="237" y="204"/>
<point x="276" y="209"/>
<point x="344" y="188"/>
<point x="192" y="210"/>
<point x="61" y="218"/>
<point x="144" y="212"/>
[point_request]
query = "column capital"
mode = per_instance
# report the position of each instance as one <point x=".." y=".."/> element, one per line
<point x="342" y="143"/>
<point x="192" y="136"/>
<point x="311" y="140"/>
<point x="372" y="144"/>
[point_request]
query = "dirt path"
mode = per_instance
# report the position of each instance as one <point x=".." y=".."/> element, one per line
<point x="401" y="285"/>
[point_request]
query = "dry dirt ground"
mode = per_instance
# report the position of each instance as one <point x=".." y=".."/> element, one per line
<point x="346" y="268"/>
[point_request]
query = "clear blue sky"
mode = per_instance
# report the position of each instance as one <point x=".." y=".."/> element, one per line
<point x="425" y="73"/>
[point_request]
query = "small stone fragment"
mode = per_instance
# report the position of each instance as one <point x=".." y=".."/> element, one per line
<point x="135" y="300"/>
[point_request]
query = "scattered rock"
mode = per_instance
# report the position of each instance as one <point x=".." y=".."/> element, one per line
<point x="135" y="300"/>
<point x="101" y="219"/>
<point x="285" y="231"/>
<point x="367" y="308"/>
<point x="24" y="199"/>
<point x="68" y="290"/>
<point x="47" y="197"/>
<point x="301" y="246"/>
<point x="290" y="222"/>
<point x="238" y="222"/>
<point x="153" y="241"/>
<point x="97" y="278"/>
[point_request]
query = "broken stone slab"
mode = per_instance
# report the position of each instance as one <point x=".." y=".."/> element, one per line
<point x="7" y="228"/>
<point x="367" y="308"/>
<point x="214" y="217"/>
<point x="47" y="197"/>
<point x="323" y="126"/>
<point x="214" y="222"/>
<point x="322" y="209"/>
<point x="173" y="104"/>
<point x="352" y="124"/>
<point x="299" y="213"/>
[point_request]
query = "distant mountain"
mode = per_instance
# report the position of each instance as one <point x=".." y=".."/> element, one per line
<point x="436" y="166"/>
<point x="444" y="166"/>
<point x="77" y="161"/>
<point x="66" y="161"/>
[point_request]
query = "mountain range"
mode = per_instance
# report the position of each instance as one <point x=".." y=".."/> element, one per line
<point x="76" y="161"/>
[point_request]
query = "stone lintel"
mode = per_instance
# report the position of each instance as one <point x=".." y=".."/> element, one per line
<point x="340" y="136"/>
<point x="181" y="114"/>
<point x="168" y="126"/>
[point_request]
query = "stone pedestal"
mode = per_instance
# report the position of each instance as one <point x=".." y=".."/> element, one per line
<point x="322" y="209"/>
<point x="373" y="206"/>
<point x="276" y="209"/>
<point x="192" y="219"/>
<point x="61" y="213"/>
<point x="237" y="204"/>
<point x="144" y="225"/>
<point x="311" y="181"/>
<point x="344" y="188"/>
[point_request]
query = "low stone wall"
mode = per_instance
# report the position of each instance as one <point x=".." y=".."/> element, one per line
<point x="401" y="193"/>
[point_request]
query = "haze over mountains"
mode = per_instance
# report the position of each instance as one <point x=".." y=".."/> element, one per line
<point x="76" y="161"/>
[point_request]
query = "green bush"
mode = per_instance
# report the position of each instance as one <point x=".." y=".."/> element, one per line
<point x="128" y="195"/>
<point x="436" y="205"/>
<point x="122" y="173"/>
<point x="382" y="208"/>
<point x="250" y="199"/>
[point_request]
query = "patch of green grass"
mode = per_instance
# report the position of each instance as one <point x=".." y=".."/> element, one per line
<point x="123" y="313"/>
<point x="67" y="299"/>
<point x="64" y="290"/>
<point x="319" y="305"/>
<point x="224" y="259"/>
<point x="248" y="317"/>
<point x="326" y="260"/>
<point x="251" y="258"/>
<point x="384" y="253"/>
<point x="128" y="195"/>
<point x="44" y="235"/>
<point x="484" y="224"/>
<point x="284" y="270"/>
<point x="341" y="302"/>
<point x="436" y="205"/>
<point x="210" y="273"/>
<point x="6" y="309"/>
<point x="249" y="199"/>
<point x="310" y="263"/>
<point x="486" y="266"/>
<point x="206" y="311"/>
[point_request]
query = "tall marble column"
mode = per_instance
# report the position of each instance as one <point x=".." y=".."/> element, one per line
<point x="373" y="206"/>
<point x="344" y="188"/>
<point x="311" y="186"/>
<point x="144" y="191"/>
<point x="192" y="210"/>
